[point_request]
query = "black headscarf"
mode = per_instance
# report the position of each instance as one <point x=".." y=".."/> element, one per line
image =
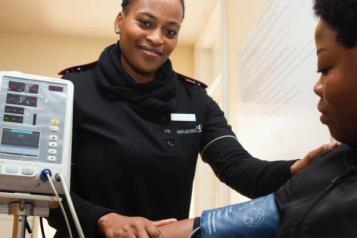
<point x="157" y="96"/>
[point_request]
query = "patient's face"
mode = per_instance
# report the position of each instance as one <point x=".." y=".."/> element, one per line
<point x="337" y="86"/>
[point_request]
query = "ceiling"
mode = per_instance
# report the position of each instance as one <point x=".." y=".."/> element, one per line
<point x="86" y="18"/>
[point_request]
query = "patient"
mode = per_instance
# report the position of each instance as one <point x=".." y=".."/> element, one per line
<point x="320" y="201"/>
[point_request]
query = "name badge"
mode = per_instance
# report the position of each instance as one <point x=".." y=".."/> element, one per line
<point x="183" y="117"/>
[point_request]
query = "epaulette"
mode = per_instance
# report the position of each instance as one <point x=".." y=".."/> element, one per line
<point x="190" y="80"/>
<point x="78" y="68"/>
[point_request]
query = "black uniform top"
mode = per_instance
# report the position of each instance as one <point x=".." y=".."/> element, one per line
<point x="321" y="200"/>
<point x="135" y="146"/>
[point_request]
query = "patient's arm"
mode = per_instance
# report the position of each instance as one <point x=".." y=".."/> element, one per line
<point x="251" y="219"/>
<point x="180" y="229"/>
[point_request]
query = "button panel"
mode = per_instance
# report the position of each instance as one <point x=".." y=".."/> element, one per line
<point x="11" y="169"/>
<point x="51" y="158"/>
<point x="54" y="128"/>
<point x="53" y="137"/>
<point x="28" y="171"/>
<point x="17" y="170"/>
<point x="52" y="144"/>
<point x="52" y="151"/>
<point x="55" y="122"/>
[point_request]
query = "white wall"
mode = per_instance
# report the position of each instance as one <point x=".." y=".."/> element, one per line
<point x="214" y="63"/>
<point x="272" y="65"/>
<point x="238" y="20"/>
<point x="215" y="58"/>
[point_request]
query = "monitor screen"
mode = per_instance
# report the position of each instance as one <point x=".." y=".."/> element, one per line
<point x="20" y="142"/>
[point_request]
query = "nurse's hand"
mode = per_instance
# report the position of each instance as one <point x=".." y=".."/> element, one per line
<point x="302" y="163"/>
<point x="113" y="225"/>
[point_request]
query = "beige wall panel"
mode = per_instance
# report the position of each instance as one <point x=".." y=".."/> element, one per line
<point x="182" y="60"/>
<point x="47" y="55"/>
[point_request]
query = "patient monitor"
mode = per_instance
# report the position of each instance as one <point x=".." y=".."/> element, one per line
<point x="35" y="132"/>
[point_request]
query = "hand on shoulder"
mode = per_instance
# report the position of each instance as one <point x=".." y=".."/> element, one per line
<point x="313" y="154"/>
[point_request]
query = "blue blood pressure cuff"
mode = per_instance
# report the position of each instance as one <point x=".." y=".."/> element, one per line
<point x="257" y="218"/>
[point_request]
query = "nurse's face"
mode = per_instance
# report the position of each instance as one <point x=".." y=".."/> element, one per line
<point x="337" y="85"/>
<point x="148" y="35"/>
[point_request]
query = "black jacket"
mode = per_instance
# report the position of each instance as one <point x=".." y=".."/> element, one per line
<point x="321" y="201"/>
<point x="135" y="149"/>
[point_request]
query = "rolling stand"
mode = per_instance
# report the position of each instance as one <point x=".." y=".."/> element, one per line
<point x="21" y="205"/>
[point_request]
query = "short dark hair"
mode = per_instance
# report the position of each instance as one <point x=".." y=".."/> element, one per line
<point x="341" y="15"/>
<point x="125" y="6"/>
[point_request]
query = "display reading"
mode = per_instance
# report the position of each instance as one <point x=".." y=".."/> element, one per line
<point x="55" y="88"/>
<point x="17" y="86"/>
<point x="21" y="100"/>
<point x="22" y="138"/>
<point x="14" y="110"/>
<point x="19" y="141"/>
<point x="33" y="88"/>
<point x="23" y="87"/>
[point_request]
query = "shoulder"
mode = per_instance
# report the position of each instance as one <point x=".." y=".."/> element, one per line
<point x="190" y="81"/>
<point x="78" y="68"/>
<point x="343" y="152"/>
